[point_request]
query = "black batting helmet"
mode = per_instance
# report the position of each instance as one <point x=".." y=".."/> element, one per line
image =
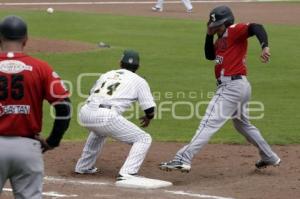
<point x="221" y="15"/>
<point x="13" y="28"/>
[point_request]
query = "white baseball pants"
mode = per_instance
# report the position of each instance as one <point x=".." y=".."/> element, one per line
<point x="186" y="3"/>
<point x="229" y="102"/>
<point x="103" y="123"/>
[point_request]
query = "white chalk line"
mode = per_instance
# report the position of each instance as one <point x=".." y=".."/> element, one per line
<point x="196" y="195"/>
<point x="74" y="181"/>
<point x="51" y="194"/>
<point x="97" y="183"/>
<point x="65" y="181"/>
<point x="130" y="2"/>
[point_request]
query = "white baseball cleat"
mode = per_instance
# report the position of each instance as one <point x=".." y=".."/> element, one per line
<point x="157" y="9"/>
<point x="189" y="10"/>
<point x="87" y="171"/>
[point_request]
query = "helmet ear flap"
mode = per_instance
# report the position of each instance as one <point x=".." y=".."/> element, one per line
<point x="229" y="21"/>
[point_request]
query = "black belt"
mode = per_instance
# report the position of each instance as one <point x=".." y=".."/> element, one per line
<point x="234" y="77"/>
<point x="105" y="106"/>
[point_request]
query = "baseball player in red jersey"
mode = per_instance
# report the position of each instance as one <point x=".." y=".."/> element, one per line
<point x="24" y="83"/>
<point x="233" y="92"/>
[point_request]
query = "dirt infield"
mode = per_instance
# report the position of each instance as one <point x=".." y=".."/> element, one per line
<point x="219" y="171"/>
<point x="41" y="45"/>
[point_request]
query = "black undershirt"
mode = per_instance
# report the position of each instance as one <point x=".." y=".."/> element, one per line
<point x="150" y="112"/>
<point x="259" y="31"/>
<point x="61" y="123"/>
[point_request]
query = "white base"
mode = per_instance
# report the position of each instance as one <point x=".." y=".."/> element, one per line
<point x="143" y="183"/>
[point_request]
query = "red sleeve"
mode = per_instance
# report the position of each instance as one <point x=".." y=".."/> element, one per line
<point x="239" y="31"/>
<point x="54" y="87"/>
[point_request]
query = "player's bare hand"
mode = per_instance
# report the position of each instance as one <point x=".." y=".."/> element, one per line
<point x="144" y="121"/>
<point x="44" y="145"/>
<point x="265" y="55"/>
<point x="211" y="31"/>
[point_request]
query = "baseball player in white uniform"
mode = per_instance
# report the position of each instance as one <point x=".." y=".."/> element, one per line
<point x="112" y="94"/>
<point x="159" y="5"/>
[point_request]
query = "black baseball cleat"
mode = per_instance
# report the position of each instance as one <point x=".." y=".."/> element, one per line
<point x="127" y="176"/>
<point x="175" y="165"/>
<point x="261" y="164"/>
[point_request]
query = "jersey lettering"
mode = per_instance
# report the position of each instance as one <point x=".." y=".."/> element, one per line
<point x="112" y="88"/>
<point x="120" y="88"/>
<point x="219" y="59"/>
<point x="14" y="109"/>
<point x="17" y="87"/>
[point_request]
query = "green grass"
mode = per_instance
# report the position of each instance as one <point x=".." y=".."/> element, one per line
<point x="173" y="61"/>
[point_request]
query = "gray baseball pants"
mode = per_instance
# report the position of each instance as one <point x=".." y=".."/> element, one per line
<point x="229" y="102"/>
<point x="22" y="163"/>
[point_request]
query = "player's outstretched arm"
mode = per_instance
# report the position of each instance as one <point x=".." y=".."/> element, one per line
<point x="259" y="31"/>
<point x="60" y="126"/>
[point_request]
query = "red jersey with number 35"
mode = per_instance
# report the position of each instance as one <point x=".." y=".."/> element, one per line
<point x="24" y="83"/>
<point x="231" y="50"/>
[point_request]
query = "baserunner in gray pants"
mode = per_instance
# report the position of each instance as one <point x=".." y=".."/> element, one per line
<point x="233" y="92"/>
<point x="230" y="100"/>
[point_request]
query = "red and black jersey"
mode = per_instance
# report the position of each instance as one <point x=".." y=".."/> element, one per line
<point x="24" y="83"/>
<point x="231" y="50"/>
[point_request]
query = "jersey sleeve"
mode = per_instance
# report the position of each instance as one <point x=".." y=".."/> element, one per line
<point x="145" y="97"/>
<point x="239" y="31"/>
<point x="54" y="87"/>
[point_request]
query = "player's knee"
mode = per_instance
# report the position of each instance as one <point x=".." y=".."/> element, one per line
<point x="146" y="138"/>
<point x="239" y="123"/>
<point x="236" y="124"/>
